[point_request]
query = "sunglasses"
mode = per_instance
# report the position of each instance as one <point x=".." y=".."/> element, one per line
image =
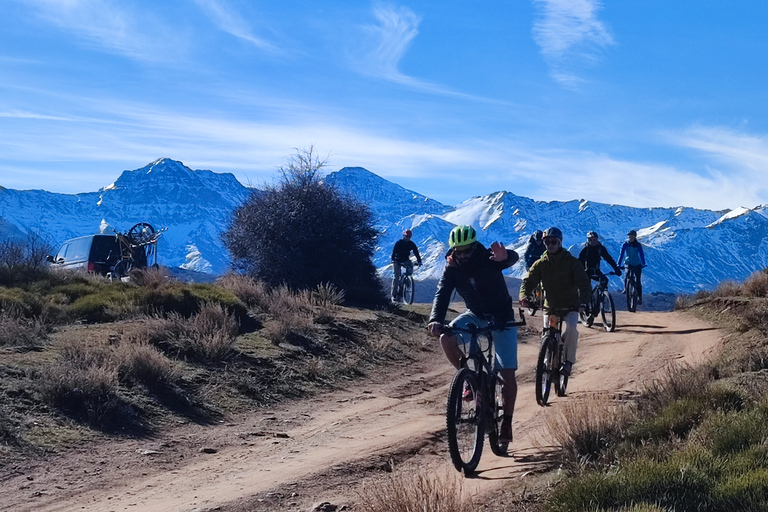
<point x="552" y="241"/>
<point x="464" y="250"/>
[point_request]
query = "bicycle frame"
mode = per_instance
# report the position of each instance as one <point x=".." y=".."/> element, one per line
<point x="551" y="355"/>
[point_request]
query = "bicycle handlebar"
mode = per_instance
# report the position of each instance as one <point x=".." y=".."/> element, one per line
<point x="492" y="326"/>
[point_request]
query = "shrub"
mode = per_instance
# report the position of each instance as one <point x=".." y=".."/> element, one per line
<point x="137" y="361"/>
<point x="252" y="292"/>
<point x="756" y="285"/>
<point x="303" y="232"/>
<point x="23" y="333"/>
<point x="587" y="428"/>
<point x="406" y="492"/>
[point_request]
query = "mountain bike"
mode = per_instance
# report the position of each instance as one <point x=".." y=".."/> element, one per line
<point x="405" y="285"/>
<point x="551" y="358"/>
<point x="475" y="403"/>
<point x="630" y="288"/>
<point x="538" y="300"/>
<point x="601" y="302"/>
<point x="137" y="247"/>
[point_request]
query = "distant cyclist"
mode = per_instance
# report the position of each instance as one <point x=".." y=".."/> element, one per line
<point x="401" y="257"/>
<point x="534" y="249"/>
<point x="591" y="255"/>
<point x="566" y="286"/>
<point x="635" y="260"/>
<point x="475" y="272"/>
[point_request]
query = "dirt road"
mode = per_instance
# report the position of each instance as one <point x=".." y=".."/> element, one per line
<point x="321" y="449"/>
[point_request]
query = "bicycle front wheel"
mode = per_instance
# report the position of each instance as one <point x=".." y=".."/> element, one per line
<point x="631" y="292"/>
<point x="544" y="371"/>
<point x="608" y="312"/>
<point x="408" y="290"/>
<point x="464" y="421"/>
<point x="496" y="415"/>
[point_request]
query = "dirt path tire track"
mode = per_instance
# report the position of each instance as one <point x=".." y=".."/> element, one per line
<point x="320" y="449"/>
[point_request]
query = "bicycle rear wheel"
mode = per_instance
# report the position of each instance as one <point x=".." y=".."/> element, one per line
<point x="464" y="421"/>
<point x="496" y="415"/>
<point x="608" y="312"/>
<point x="408" y="290"/>
<point x="544" y="371"/>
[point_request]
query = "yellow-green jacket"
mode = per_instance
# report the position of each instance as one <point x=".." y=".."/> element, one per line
<point x="566" y="284"/>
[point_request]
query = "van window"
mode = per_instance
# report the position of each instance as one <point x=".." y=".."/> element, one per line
<point x="105" y="248"/>
<point x="78" y="249"/>
<point x="62" y="254"/>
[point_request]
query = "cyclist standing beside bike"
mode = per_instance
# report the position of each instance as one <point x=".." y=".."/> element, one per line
<point x="635" y="261"/>
<point x="401" y="257"/>
<point x="591" y="255"/>
<point x="566" y="287"/>
<point x="476" y="273"/>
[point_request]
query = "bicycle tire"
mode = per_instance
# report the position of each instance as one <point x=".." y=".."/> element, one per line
<point x="465" y="426"/>
<point x="631" y="296"/>
<point x="141" y="233"/>
<point x="408" y="289"/>
<point x="608" y="312"/>
<point x="122" y="268"/>
<point x="496" y="415"/>
<point x="561" y="384"/>
<point x="544" y="368"/>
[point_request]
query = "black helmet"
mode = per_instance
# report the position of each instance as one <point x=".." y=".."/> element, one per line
<point x="538" y="235"/>
<point x="632" y="233"/>
<point x="592" y="234"/>
<point x="553" y="232"/>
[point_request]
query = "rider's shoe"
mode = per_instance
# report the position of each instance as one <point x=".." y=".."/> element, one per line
<point x="505" y="430"/>
<point x="467" y="394"/>
<point x="566" y="369"/>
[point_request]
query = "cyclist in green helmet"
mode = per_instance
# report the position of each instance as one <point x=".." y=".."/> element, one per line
<point x="476" y="273"/>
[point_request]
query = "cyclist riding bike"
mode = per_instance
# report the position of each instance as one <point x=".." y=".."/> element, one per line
<point x="476" y="273"/>
<point x="401" y="258"/>
<point x="635" y="261"/>
<point x="591" y="255"/>
<point x="566" y="287"/>
<point x="534" y="249"/>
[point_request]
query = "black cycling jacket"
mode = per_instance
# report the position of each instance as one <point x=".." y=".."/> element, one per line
<point x="480" y="283"/>
<point x="590" y="257"/>
<point x="402" y="251"/>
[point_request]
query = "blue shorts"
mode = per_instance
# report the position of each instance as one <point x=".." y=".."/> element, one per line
<point x="505" y="342"/>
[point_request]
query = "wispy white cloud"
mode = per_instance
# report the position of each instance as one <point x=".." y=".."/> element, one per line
<point x="232" y="22"/>
<point x="112" y="26"/>
<point x="570" y="36"/>
<point x="390" y="39"/>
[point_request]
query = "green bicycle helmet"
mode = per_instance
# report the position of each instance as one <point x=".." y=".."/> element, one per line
<point x="461" y="236"/>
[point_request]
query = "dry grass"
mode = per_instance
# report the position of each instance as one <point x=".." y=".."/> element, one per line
<point x="587" y="429"/>
<point x="415" y="492"/>
<point x="22" y="333"/>
<point x="253" y="293"/>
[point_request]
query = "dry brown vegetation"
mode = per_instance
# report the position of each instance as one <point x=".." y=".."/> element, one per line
<point x="89" y="357"/>
<point x="694" y="439"/>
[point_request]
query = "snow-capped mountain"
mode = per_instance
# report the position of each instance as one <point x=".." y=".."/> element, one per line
<point x="194" y="206"/>
<point x="686" y="249"/>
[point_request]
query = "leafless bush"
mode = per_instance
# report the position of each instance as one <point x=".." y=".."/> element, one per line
<point x="585" y="427"/>
<point x="291" y="314"/>
<point x="139" y="361"/>
<point x="24" y="333"/>
<point x="756" y="285"/>
<point x="83" y="382"/>
<point x="252" y="292"/>
<point x="30" y="252"/>
<point x="727" y="288"/>
<point x="407" y="492"/>
<point x="207" y="336"/>
<point x="150" y="277"/>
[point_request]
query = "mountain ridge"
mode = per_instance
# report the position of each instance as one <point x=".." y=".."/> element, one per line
<point x="687" y="249"/>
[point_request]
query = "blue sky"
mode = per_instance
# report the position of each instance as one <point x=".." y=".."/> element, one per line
<point x="642" y="103"/>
